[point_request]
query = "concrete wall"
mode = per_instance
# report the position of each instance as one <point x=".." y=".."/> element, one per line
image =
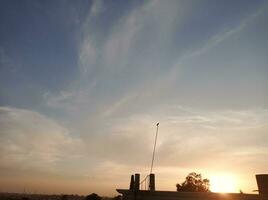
<point x="168" y="195"/>
<point x="262" y="182"/>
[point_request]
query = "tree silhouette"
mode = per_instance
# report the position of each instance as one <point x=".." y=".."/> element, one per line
<point x="93" y="196"/>
<point x="193" y="183"/>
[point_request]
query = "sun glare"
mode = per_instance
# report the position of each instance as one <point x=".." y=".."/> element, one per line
<point x="223" y="183"/>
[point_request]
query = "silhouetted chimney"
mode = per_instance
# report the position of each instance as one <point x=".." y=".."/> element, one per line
<point x="152" y="182"/>
<point x="131" y="186"/>
<point x="137" y="182"/>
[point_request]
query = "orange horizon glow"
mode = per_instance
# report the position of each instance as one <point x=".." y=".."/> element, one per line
<point x="223" y="183"/>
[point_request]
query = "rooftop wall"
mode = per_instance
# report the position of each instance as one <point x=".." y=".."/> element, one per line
<point x="262" y="182"/>
<point x="168" y="195"/>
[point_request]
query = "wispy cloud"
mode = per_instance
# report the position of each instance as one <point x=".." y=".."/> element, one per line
<point x="188" y="138"/>
<point x="96" y="8"/>
<point x="31" y="141"/>
<point x="218" y="38"/>
<point x="132" y="73"/>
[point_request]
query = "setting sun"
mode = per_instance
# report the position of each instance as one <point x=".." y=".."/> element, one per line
<point x="223" y="183"/>
<point x="171" y="92"/>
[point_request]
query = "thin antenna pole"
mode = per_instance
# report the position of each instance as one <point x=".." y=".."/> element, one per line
<point x="152" y="164"/>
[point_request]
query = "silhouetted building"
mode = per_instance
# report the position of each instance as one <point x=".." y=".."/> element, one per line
<point x="135" y="193"/>
<point x="262" y="182"/>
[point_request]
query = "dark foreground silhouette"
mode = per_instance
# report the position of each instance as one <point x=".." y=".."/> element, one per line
<point x="17" y="196"/>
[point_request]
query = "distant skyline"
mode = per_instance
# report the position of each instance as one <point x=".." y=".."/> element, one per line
<point x="83" y="84"/>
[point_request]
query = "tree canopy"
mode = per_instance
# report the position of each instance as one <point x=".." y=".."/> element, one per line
<point x="193" y="183"/>
<point x="93" y="196"/>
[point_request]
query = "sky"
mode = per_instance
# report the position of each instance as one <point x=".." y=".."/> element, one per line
<point x="83" y="84"/>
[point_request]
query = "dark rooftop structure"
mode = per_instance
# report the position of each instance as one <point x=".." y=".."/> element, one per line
<point x="136" y="193"/>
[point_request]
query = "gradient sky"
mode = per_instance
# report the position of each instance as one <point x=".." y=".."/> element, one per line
<point x="83" y="83"/>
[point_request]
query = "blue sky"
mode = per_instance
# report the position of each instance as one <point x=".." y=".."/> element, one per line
<point x="81" y="80"/>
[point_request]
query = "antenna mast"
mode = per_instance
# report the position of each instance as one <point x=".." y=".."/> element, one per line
<point x="152" y="164"/>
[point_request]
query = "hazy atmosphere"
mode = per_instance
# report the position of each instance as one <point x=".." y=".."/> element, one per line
<point x="83" y="84"/>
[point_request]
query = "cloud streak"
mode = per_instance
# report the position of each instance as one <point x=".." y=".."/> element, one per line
<point x="142" y="66"/>
<point x="189" y="139"/>
<point x="32" y="141"/>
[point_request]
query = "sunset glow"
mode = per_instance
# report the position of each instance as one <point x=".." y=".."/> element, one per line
<point x="223" y="184"/>
<point x="83" y="84"/>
